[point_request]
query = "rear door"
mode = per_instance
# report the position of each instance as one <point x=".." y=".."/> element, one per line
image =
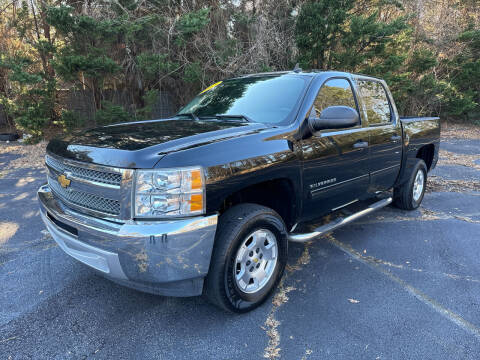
<point x="385" y="132"/>
<point x="335" y="162"/>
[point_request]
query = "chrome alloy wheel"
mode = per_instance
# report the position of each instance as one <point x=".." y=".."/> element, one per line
<point x="255" y="261"/>
<point x="418" y="185"/>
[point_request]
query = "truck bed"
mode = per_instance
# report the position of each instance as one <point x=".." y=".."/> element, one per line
<point x="408" y="119"/>
<point x="419" y="134"/>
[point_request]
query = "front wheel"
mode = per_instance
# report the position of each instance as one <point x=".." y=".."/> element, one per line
<point x="409" y="195"/>
<point x="248" y="259"/>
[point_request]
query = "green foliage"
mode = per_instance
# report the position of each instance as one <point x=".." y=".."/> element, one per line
<point x="457" y="102"/>
<point x="330" y="35"/>
<point x="34" y="105"/>
<point x="140" y="48"/>
<point x="44" y="47"/>
<point x="22" y="22"/>
<point x="149" y="99"/>
<point x="244" y="19"/>
<point x="8" y="106"/>
<point x="20" y="70"/>
<point x="153" y="65"/>
<point x="225" y="50"/>
<point x="368" y="40"/>
<point x="111" y="113"/>
<point x="415" y="88"/>
<point x="318" y="29"/>
<point x="472" y="38"/>
<point x="193" y="72"/>
<point x="71" y="120"/>
<point x="93" y="64"/>
<point x="76" y="27"/>
<point x="32" y="118"/>
<point x="465" y="75"/>
<point x="89" y="42"/>
<point x="140" y="31"/>
<point x="265" y="68"/>
<point x="422" y="60"/>
<point x="193" y="22"/>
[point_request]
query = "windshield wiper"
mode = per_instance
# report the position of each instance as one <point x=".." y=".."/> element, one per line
<point x="192" y="115"/>
<point x="226" y="116"/>
<point x="195" y="117"/>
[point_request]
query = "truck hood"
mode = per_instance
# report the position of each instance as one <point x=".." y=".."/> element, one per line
<point x="142" y="144"/>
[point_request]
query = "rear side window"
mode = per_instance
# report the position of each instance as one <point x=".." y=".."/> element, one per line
<point x="376" y="102"/>
<point x="334" y="92"/>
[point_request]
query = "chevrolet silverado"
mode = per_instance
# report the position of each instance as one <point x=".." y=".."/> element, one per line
<point x="205" y="202"/>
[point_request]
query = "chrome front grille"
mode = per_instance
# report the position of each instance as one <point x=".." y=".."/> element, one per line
<point x="103" y="177"/>
<point x="93" y="189"/>
<point x="85" y="200"/>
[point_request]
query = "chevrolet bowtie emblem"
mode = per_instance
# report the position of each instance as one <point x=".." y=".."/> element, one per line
<point x="63" y="181"/>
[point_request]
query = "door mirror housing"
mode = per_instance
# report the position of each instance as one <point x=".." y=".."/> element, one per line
<point x="335" y="117"/>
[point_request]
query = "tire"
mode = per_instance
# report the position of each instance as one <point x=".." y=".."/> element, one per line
<point x="408" y="196"/>
<point x="238" y="227"/>
<point x="8" y="137"/>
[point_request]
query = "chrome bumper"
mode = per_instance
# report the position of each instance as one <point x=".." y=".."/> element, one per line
<point x="161" y="257"/>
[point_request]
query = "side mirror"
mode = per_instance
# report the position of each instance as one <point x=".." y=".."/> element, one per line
<point x="335" y="117"/>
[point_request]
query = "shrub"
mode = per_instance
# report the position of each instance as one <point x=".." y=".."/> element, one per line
<point x="111" y="113"/>
<point x="71" y="120"/>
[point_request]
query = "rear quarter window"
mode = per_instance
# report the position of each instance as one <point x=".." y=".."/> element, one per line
<point x="375" y="101"/>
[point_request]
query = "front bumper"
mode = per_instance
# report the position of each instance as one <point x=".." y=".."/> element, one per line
<point x="161" y="257"/>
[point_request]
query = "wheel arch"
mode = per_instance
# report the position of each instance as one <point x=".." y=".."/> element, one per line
<point x="278" y="194"/>
<point x="426" y="153"/>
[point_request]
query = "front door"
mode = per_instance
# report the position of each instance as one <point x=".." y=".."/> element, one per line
<point x="385" y="135"/>
<point x="335" y="162"/>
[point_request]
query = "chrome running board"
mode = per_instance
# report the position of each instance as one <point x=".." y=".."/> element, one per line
<point x="321" y="230"/>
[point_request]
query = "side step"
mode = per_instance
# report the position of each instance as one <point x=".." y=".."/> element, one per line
<point x="300" y="238"/>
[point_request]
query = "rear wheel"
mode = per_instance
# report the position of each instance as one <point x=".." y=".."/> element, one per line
<point x="248" y="259"/>
<point x="409" y="195"/>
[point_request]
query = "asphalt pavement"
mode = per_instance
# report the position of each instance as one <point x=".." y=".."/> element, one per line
<point x="393" y="285"/>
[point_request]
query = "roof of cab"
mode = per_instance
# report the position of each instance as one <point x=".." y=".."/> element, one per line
<point x="309" y="73"/>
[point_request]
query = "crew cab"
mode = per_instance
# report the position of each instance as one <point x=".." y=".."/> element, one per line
<point x="205" y="202"/>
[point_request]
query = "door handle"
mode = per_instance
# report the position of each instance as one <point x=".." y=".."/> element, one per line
<point x="395" y="138"/>
<point x="360" y="145"/>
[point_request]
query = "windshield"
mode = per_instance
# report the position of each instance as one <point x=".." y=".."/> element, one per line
<point x="266" y="99"/>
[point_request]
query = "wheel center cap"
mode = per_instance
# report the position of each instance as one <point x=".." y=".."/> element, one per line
<point x="255" y="260"/>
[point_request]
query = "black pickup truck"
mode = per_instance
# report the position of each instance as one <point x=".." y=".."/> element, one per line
<point x="207" y="201"/>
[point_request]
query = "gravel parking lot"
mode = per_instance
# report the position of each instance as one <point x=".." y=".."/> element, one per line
<point x="394" y="285"/>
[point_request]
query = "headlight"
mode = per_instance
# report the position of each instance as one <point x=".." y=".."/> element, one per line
<point x="169" y="192"/>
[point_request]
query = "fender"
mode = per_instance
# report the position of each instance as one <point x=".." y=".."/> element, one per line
<point x="238" y="163"/>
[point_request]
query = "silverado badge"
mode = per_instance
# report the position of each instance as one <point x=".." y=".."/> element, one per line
<point x="63" y="181"/>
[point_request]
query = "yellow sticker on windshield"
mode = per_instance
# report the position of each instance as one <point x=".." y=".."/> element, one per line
<point x="211" y="87"/>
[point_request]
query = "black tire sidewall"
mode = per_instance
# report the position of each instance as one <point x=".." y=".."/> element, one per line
<point x="272" y="224"/>
<point x="234" y="225"/>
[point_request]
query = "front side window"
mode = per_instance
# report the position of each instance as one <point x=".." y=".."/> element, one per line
<point x="268" y="99"/>
<point x="335" y="92"/>
<point x="376" y="102"/>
